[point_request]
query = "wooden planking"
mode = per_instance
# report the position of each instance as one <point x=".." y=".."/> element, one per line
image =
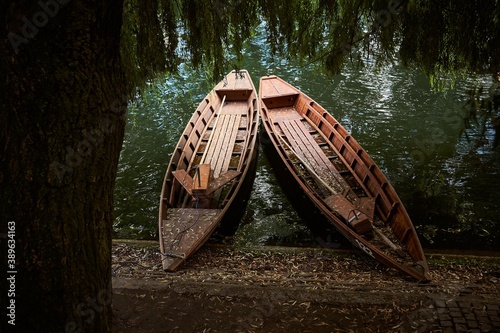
<point x="311" y="145"/>
<point x="270" y="87"/>
<point x="222" y="125"/>
<point x="235" y="81"/>
<point x="226" y="132"/>
<point x="284" y="114"/>
<point x="184" y="227"/>
<point x="184" y="179"/>
<point x="222" y="180"/>
<point x="236" y="87"/>
<point x="250" y="121"/>
<point x="221" y="122"/>
<point x="300" y="145"/>
<point x="232" y="107"/>
<point x="369" y="175"/>
<point x="227" y="147"/>
<point x="222" y="142"/>
<point x="302" y="142"/>
<point x="280" y="101"/>
<point x="202" y="177"/>
<point x="277" y="94"/>
<point x="344" y="146"/>
<point x="221" y="147"/>
<point x="350" y="151"/>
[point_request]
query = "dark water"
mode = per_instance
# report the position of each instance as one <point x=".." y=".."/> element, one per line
<point x="449" y="183"/>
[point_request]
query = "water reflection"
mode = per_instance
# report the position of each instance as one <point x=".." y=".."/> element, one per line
<point x="270" y="218"/>
<point x="449" y="184"/>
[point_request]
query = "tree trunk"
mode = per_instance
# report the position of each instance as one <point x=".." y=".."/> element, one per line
<point x="62" y="119"/>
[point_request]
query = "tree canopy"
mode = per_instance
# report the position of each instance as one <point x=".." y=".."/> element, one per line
<point x="444" y="38"/>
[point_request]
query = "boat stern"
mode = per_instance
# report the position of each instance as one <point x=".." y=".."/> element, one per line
<point x="276" y="93"/>
<point x="236" y="86"/>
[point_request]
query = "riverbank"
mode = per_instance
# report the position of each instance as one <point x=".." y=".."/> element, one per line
<point x="224" y="289"/>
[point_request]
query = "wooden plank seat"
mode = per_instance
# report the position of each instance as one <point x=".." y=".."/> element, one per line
<point x="203" y="185"/>
<point x="202" y="179"/>
<point x="355" y="218"/>
<point x="184" y="179"/>
<point x="223" y="179"/>
<point x="366" y="205"/>
<point x="187" y="181"/>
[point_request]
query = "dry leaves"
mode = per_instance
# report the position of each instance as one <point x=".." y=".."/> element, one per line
<point x="310" y="268"/>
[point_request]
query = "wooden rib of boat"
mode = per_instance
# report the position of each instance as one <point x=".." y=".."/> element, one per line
<point x="340" y="178"/>
<point x="211" y="169"/>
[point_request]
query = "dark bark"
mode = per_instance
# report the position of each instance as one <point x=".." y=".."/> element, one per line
<point x="61" y="130"/>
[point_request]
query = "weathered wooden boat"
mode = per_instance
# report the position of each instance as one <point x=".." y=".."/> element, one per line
<point x="339" y="177"/>
<point x="211" y="170"/>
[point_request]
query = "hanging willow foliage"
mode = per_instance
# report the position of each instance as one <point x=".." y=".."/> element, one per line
<point x="215" y="30"/>
<point x="452" y="36"/>
<point x="441" y="37"/>
<point x="149" y="39"/>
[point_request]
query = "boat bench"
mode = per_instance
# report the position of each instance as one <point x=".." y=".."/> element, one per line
<point x="203" y="184"/>
<point x="353" y="216"/>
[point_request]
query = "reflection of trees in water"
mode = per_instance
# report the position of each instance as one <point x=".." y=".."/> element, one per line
<point x="444" y="217"/>
<point x="482" y="115"/>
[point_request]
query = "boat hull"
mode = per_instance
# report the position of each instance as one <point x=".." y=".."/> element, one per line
<point x="211" y="170"/>
<point x="315" y="220"/>
<point x="339" y="178"/>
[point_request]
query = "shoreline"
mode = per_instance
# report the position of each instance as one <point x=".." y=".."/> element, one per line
<point x="276" y="289"/>
<point x="428" y="252"/>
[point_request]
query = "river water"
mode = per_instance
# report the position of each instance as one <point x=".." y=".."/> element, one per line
<point x="448" y="180"/>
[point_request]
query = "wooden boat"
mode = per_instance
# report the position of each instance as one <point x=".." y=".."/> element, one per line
<point x="211" y="170"/>
<point x="339" y="177"/>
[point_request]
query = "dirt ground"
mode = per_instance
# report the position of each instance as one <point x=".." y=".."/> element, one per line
<point x="223" y="289"/>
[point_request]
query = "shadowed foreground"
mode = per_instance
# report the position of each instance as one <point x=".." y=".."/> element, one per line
<point x="223" y="289"/>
